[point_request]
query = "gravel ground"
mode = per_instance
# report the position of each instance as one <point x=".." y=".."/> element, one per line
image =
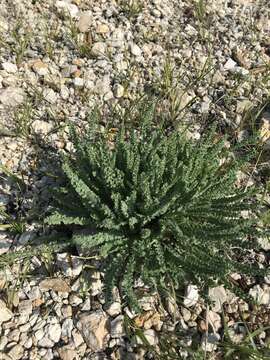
<point x="209" y="61"/>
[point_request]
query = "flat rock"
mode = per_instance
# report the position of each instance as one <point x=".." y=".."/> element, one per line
<point x="55" y="284"/>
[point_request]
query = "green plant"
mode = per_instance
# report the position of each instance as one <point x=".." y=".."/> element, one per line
<point x="155" y="205"/>
<point x="131" y="8"/>
<point x="81" y="42"/>
<point x="246" y="349"/>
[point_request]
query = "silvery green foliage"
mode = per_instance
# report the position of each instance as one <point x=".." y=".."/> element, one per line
<point x="162" y="208"/>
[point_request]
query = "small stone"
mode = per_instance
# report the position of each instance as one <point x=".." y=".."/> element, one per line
<point x="25" y="307"/>
<point x="102" y="29"/>
<point x="99" y="49"/>
<point x="14" y="335"/>
<point x="260" y="295"/>
<point x="67" y="353"/>
<point x="119" y="91"/>
<point x="264" y="243"/>
<point x="153" y="322"/>
<point x="28" y="344"/>
<point x="55" y="284"/>
<point x="243" y="105"/>
<point x="230" y="64"/>
<point x="192" y="296"/>
<point x="218" y="295"/>
<point x="172" y="308"/>
<point x="64" y="92"/>
<point x="150" y="336"/>
<point x="72" y="9"/>
<point x="3" y="342"/>
<point x="5" y="243"/>
<point x="50" y="96"/>
<point x="10" y="67"/>
<point x="66" y="311"/>
<point x="42" y="127"/>
<point x="86" y="305"/>
<point x="94" y="328"/>
<point x="85" y="21"/>
<point x="135" y="50"/>
<point x="40" y="68"/>
<point x="46" y="342"/>
<point x="214" y="320"/>
<point x="34" y="293"/>
<point x="117" y="327"/>
<point x="75" y="300"/>
<point x="16" y="352"/>
<point x="78" y="82"/>
<point x="102" y="86"/>
<point x="186" y="314"/>
<point x="5" y="313"/>
<point x="54" y="332"/>
<point x="39" y="334"/>
<point x="114" y="309"/>
<point x="70" y="265"/>
<point x="67" y="328"/>
<point x="12" y="96"/>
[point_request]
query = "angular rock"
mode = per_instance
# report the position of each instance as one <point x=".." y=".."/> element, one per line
<point x="50" y="96"/>
<point x="117" y="327"/>
<point x="5" y="313"/>
<point x="69" y="264"/>
<point x="54" y="332"/>
<point x="94" y="328"/>
<point x="114" y="309"/>
<point x="214" y="320"/>
<point x="67" y="353"/>
<point x="99" y="49"/>
<point x="41" y="127"/>
<point x="192" y="296"/>
<point x="40" y="68"/>
<point x="102" y="29"/>
<point x="135" y="50"/>
<point x="67" y="328"/>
